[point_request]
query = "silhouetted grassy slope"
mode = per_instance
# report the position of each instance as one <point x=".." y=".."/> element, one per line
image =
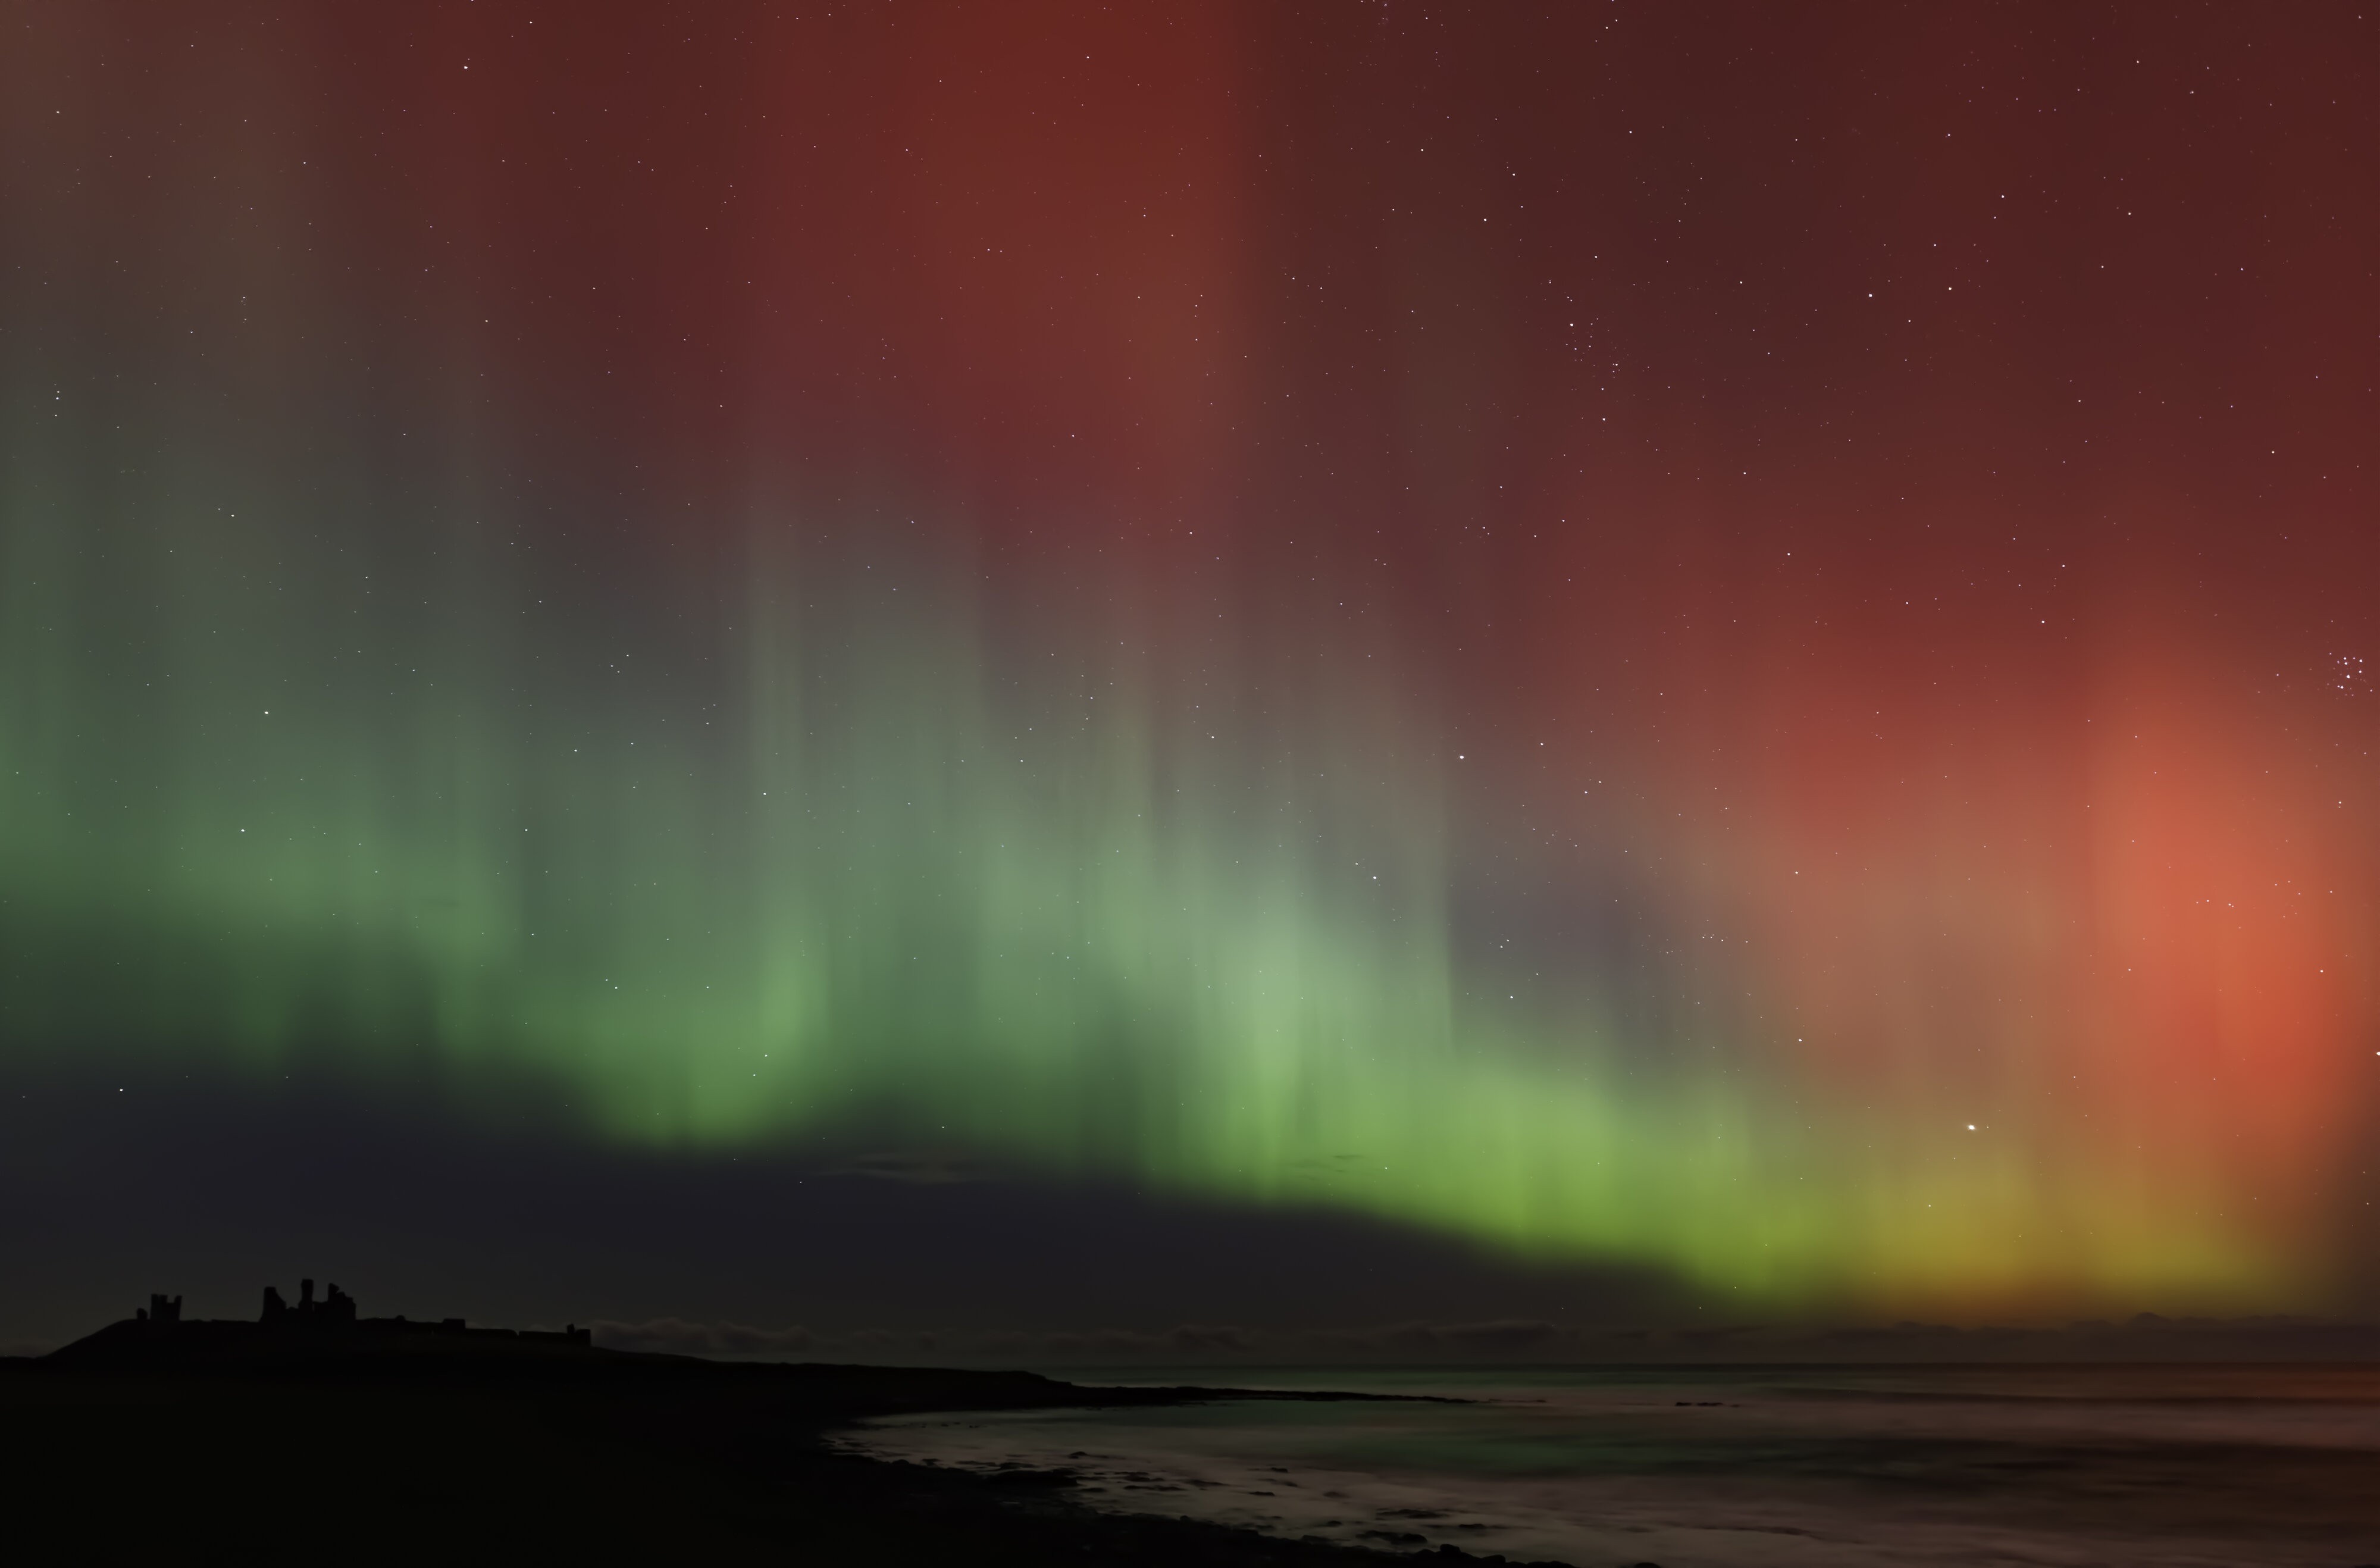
<point x="413" y="1450"/>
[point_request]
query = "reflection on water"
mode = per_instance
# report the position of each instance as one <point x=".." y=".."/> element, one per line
<point x="1715" y="1467"/>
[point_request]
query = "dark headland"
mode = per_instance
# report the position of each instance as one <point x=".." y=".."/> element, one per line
<point x="311" y="1431"/>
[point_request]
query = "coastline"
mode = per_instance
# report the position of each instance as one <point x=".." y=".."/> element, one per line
<point x="400" y="1447"/>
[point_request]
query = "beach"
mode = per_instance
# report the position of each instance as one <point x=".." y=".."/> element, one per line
<point x="1742" y="1468"/>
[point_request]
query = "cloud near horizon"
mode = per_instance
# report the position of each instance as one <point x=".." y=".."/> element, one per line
<point x="2144" y="1338"/>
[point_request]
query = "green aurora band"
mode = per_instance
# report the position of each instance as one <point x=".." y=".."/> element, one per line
<point x="821" y="855"/>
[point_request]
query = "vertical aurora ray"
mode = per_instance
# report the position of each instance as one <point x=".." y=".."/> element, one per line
<point x="442" y="667"/>
<point x="1067" y="928"/>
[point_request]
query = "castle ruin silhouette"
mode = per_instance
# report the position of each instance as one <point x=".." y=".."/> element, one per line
<point x="329" y="1319"/>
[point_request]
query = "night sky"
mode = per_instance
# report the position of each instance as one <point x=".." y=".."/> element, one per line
<point x="1027" y="669"/>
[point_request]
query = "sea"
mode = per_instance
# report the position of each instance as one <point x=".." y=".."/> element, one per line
<point x="2143" y="1466"/>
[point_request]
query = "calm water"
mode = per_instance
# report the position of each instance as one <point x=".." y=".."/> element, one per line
<point x="2143" y="1466"/>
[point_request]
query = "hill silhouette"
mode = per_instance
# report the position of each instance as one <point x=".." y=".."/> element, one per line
<point x="319" y="1432"/>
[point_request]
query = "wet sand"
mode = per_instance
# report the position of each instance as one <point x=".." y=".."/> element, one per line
<point x="2161" y="1467"/>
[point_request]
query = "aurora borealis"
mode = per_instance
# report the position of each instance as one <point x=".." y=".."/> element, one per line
<point x="1721" y="641"/>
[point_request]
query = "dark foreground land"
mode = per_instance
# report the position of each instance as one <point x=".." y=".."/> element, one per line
<point x="215" y="1443"/>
